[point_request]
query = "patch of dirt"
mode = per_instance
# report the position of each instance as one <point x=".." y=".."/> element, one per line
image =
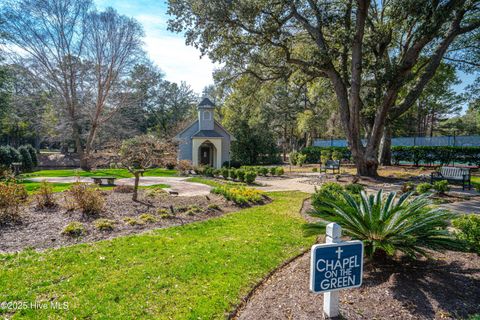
<point x="43" y="229"/>
<point x="444" y="287"/>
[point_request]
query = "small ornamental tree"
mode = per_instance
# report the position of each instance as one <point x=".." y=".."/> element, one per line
<point x="143" y="152"/>
<point x="26" y="159"/>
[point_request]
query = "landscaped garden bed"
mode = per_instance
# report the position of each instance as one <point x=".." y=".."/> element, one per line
<point x="64" y="224"/>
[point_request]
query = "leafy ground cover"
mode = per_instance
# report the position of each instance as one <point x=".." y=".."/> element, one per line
<point x="33" y="186"/>
<point x="196" y="271"/>
<point x="118" y="173"/>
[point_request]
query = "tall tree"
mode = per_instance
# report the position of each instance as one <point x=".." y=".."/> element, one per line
<point x="370" y="51"/>
<point x="81" y="54"/>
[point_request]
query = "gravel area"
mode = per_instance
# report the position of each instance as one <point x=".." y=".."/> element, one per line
<point x="43" y="229"/>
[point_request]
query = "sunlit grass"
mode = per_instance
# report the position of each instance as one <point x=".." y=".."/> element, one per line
<point x="117" y="173"/>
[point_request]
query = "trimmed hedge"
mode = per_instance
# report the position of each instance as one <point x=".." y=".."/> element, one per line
<point x="26" y="154"/>
<point x="415" y="154"/>
<point x="313" y="153"/>
<point x="429" y="155"/>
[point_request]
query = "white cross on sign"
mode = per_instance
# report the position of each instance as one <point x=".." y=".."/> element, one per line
<point x="339" y="251"/>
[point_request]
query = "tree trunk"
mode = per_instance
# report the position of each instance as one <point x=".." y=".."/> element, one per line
<point x="366" y="162"/>
<point x="135" y="187"/>
<point x="386" y="147"/>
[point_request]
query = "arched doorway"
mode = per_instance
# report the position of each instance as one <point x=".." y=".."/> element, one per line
<point x="207" y="154"/>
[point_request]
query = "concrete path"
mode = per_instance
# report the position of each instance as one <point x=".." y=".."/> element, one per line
<point x="178" y="184"/>
<point x="293" y="184"/>
<point x="472" y="206"/>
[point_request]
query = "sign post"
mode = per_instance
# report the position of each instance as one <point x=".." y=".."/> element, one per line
<point x="335" y="265"/>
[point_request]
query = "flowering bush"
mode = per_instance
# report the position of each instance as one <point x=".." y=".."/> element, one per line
<point x="239" y="195"/>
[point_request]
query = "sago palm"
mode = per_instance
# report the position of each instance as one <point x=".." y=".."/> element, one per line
<point x="386" y="225"/>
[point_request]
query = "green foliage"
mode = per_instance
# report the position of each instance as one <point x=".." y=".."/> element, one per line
<point x="8" y="155"/>
<point x="87" y="198"/>
<point x="273" y="171"/>
<point x="26" y="159"/>
<point x="408" y="187"/>
<point x="12" y="197"/>
<point x="292" y="157"/>
<point x="213" y="206"/>
<point x="315" y="169"/>
<point x="239" y="195"/>
<point x="233" y="174"/>
<point x="441" y="186"/>
<point x="327" y="191"/>
<point x="301" y="159"/>
<point x="74" y="229"/>
<point x="423" y="188"/>
<point x="337" y="155"/>
<point x="386" y="225"/>
<point x="354" y="188"/>
<point x="469" y="230"/>
<point x="241" y="174"/>
<point x="33" y="154"/>
<point x="133" y="221"/>
<point x="104" y="224"/>
<point x="250" y="177"/>
<point x="147" y="218"/>
<point x="314" y="154"/>
<point x="443" y="155"/>
<point x="225" y="173"/>
<point x="279" y="171"/>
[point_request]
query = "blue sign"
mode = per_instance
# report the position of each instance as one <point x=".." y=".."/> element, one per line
<point x="336" y="266"/>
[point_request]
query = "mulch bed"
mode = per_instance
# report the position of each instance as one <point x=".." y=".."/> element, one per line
<point x="445" y="287"/>
<point x="39" y="229"/>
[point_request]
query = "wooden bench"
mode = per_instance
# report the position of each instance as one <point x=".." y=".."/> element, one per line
<point x="333" y="165"/>
<point x="453" y="174"/>
<point x="99" y="180"/>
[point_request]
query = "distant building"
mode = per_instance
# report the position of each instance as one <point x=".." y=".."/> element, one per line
<point x="205" y="141"/>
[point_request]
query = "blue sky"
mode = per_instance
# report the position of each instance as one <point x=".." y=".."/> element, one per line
<point x="167" y="50"/>
<point x="178" y="61"/>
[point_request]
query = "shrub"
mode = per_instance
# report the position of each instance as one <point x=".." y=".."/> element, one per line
<point x="337" y="155"/>
<point x="26" y="158"/>
<point x="325" y="155"/>
<point x="301" y="158"/>
<point x="225" y="173"/>
<point x="241" y="175"/>
<point x="217" y="172"/>
<point x="250" y="177"/>
<point x="208" y="171"/>
<point x="263" y="171"/>
<point x="327" y="191"/>
<point x="33" y="154"/>
<point x="477" y="187"/>
<point x="232" y="164"/>
<point x="44" y="196"/>
<point x="163" y="211"/>
<point x="239" y="195"/>
<point x="315" y="169"/>
<point x="430" y="154"/>
<point x="184" y="166"/>
<point x="12" y="196"/>
<point x="213" y="206"/>
<point x="86" y="198"/>
<point x="468" y="231"/>
<point x="194" y="208"/>
<point x="292" y="157"/>
<point x="104" y="224"/>
<point x="407" y="187"/>
<point x="132" y="221"/>
<point x="154" y="192"/>
<point x="354" y="188"/>
<point x="423" y="188"/>
<point x="441" y="186"/>
<point x="386" y="225"/>
<point x="233" y="174"/>
<point x="123" y="189"/>
<point x="148" y="218"/>
<point x="273" y="171"/>
<point x="279" y="171"/>
<point x="170" y="165"/>
<point x="8" y="155"/>
<point x="74" y="229"/>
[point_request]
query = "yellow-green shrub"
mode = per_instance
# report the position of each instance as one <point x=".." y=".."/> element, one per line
<point x="104" y="224"/>
<point x="239" y="195"/>
<point x="12" y="196"/>
<point x="74" y="229"/>
<point x="87" y="198"/>
<point x="44" y="196"/>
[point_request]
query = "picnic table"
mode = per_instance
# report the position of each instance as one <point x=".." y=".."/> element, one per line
<point x="99" y="181"/>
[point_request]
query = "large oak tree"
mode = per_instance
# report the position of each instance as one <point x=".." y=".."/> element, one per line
<point x="377" y="55"/>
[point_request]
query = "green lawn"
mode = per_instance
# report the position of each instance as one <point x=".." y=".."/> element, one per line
<point x="196" y="271"/>
<point x="118" y="173"/>
<point x="33" y="186"/>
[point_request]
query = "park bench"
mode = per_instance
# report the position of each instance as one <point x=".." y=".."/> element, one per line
<point x="453" y="174"/>
<point x="333" y="165"/>
<point x="99" y="180"/>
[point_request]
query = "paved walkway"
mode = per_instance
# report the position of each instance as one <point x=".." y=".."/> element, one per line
<point x="294" y="184"/>
<point x="472" y="206"/>
<point x="178" y="184"/>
